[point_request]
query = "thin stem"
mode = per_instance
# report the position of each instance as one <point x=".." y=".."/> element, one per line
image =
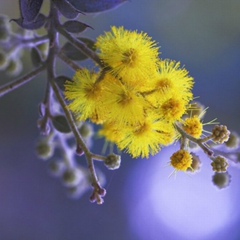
<point x="21" y="81"/>
<point x="197" y="141"/>
<point x="81" y="46"/>
<point x="70" y="119"/>
<point x="68" y="61"/>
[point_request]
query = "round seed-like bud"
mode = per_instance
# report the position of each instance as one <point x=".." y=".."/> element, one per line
<point x="196" y="164"/>
<point x="220" y="134"/>
<point x="44" y="149"/>
<point x="233" y="141"/>
<point x="181" y="160"/>
<point x="3" y="60"/>
<point x="14" y="67"/>
<point x="4" y="28"/>
<point x="86" y="130"/>
<point x="57" y="167"/>
<point x="72" y="177"/>
<point x="221" y="180"/>
<point x="219" y="164"/>
<point x="112" y="161"/>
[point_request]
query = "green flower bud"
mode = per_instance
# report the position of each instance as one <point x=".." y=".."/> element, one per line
<point x="233" y="141"/>
<point x="4" y="28"/>
<point x="86" y="130"/>
<point x="221" y="180"/>
<point x="196" y="164"/>
<point x="72" y="177"/>
<point x="112" y="161"/>
<point x="3" y="60"/>
<point x="44" y="149"/>
<point x="14" y="67"/>
<point x="57" y="167"/>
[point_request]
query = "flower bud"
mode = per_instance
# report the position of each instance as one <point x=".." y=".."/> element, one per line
<point x="3" y="60"/>
<point x="72" y="177"/>
<point x="220" y="134"/>
<point x="221" y="180"/>
<point x="14" y="67"/>
<point x="233" y="141"/>
<point x="4" y="28"/>
<point x="220" y="164"/>
<point x="44" y="149"/>
<point x="86" y="130"/>
<point x="196" y="164"/>
<point x="112" y="161"/>
<point x="57" y="167"/>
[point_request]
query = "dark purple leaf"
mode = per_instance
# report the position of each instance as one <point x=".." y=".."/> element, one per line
<point x="66" y="9"/>
<point x="75" y="26"/>
<point x="29" y="9"/>
<point x="37" y="23"/>
<point x="35" y="57"/>
<point x="73" y="53"/>
<point x="61" y="124"/>
<point x="61" y="80"/>
<point x="91" y="6"/>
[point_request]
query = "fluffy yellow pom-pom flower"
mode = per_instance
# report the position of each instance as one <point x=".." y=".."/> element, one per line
<point x="128" y="53"/>
<point x="147" y="138"/>
<point x="181" y="160"/>
<point x="85" y="96"/>
<point x="193" y="126"/>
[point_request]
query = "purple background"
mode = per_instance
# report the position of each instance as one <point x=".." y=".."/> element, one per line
<point x="142" y="202"/>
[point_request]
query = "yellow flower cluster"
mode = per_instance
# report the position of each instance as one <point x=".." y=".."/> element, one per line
<point x="137" y="97"/>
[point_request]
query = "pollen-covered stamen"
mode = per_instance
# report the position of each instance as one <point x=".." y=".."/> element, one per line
<point x="125" y="99"/>
<point x="173" y="109"/>
<point x="129" y="57"/>
<point x="164" y="85"/>
<point x="193" y="126"/>
<point x="181" y="160"/>
<point x="92" y="92"/>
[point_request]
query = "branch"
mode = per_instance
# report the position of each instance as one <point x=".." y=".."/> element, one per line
<point x="21" y="81"/>
<point x="197" y="141"/>
<point x="68" y="61"/>
<point x="81" y="46"/>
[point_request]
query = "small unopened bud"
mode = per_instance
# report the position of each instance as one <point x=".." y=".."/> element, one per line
<point x="44" y="149"/>
<point x="233" y="141"/>
<point x="3" y="60"/>
<point x="14" y="67"/>
<point x="4" y="28"/>
<point x="57" y="167"/>
<point x="196" y="164"/>
<point x="72" y="177"/>
<point x="221" y="180"/>
<point x="79" y="151"/>
<point x="220" y="164"/>
<point x="220" y="134"/>
<point x="86" y="130"/>
<point x="112" y="161"/>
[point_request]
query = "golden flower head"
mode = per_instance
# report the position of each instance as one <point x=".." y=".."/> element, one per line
<point x="128" y="52"/>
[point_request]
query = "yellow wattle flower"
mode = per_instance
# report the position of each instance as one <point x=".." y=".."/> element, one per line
<point x="128" y="53"/>
<point x="85" y="96"/>
<point x="193" y="126"/>
<point x="181" y="160"/>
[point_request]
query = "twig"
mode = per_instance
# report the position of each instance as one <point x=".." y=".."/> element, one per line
<point x="81" y="46"/>
<point x="68" y="61"/>
<point x="21" y="81"/>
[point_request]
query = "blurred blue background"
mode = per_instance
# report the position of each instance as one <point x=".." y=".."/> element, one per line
<point x="142" y="202"/>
